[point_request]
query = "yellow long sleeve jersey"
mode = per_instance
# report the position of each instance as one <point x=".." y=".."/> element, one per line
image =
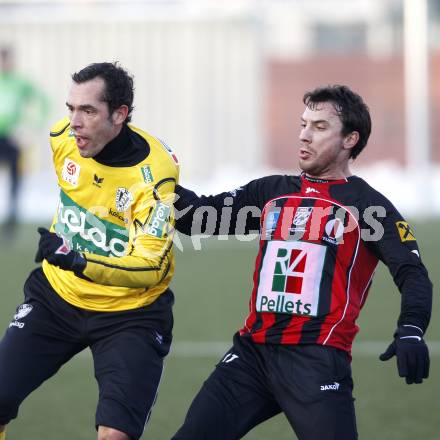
<point x="120" y="218"/>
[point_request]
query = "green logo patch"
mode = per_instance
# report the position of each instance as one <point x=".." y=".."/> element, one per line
<point x="87" y="232"/>
<point x="147" y="174"/>
<point x="158" y="220"/>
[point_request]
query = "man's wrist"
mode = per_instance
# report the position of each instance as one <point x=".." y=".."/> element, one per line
<point x="412" y="327"/>
<point x="408" y="332"/>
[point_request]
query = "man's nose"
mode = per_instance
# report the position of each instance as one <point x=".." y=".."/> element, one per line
<point x="75" y="120"/>
<point x="305" y="135"/>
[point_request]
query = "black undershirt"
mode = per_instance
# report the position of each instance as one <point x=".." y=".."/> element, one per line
<point x="125" y="150"/>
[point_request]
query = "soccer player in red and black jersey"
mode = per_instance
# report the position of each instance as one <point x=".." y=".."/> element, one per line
<point x="322" y="234"/>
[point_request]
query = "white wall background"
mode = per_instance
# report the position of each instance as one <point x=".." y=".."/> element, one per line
<point x="199" y="76"/>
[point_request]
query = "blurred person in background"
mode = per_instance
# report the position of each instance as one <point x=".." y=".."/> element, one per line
<point x="107" y="261"/>
<point x="322" y="234"/>
<point x="16" y="94"/>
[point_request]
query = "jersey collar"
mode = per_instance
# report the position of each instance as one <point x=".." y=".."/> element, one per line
<point x="309" y="179"/>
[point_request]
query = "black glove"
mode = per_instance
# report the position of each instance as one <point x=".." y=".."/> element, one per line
<point x="56" y="251"/>
<point x="411" y="352"/>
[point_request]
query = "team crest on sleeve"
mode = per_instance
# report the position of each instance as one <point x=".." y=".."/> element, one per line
<point x="405" y="231"/>
<point x="124" y="199"/>
<point x="70" y="172"/>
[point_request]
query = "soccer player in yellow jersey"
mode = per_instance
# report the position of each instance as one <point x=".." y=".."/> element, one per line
<point x="107" y="260"/>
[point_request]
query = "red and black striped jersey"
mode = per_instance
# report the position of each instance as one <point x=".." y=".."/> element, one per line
<point x="320" y="243"/>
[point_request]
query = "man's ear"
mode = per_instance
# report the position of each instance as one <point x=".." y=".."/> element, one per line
<point x="120" y="114"/>
<point x="351" y="140"/>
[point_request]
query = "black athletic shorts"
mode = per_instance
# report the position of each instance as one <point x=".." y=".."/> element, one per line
<point x="127" y="347"/>
<point x="311" y="384"/>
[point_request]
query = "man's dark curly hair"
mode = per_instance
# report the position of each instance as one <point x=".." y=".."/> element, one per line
<point x="119" y="89"/>
<point x="351" y="108"/>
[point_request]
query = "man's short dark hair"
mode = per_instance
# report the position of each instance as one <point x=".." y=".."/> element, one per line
<point x="351" y="108"/>
<point x="119" y="89"/>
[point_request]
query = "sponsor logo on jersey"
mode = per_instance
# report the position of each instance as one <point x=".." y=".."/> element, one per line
<point x="124" y="199"/>
<point x="87" y="233"/>
<point x="97" y="181"/>
<point x="405" y="231"/>
<point x="158" y="220"/>
<point x="271" y="223"/>
<point x="70" y="172"/>
<point x="289" y="271"/>
<point x="147" y="174"/>
<point x="334" y="230"/>
<point x="290" y="278"/>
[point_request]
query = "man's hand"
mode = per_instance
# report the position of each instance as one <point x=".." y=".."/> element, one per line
<point x="56" y="251"/>
<point x="411" y="352"/>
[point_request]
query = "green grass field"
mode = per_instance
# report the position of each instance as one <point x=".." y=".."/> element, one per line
<point x="212" y="289"/>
